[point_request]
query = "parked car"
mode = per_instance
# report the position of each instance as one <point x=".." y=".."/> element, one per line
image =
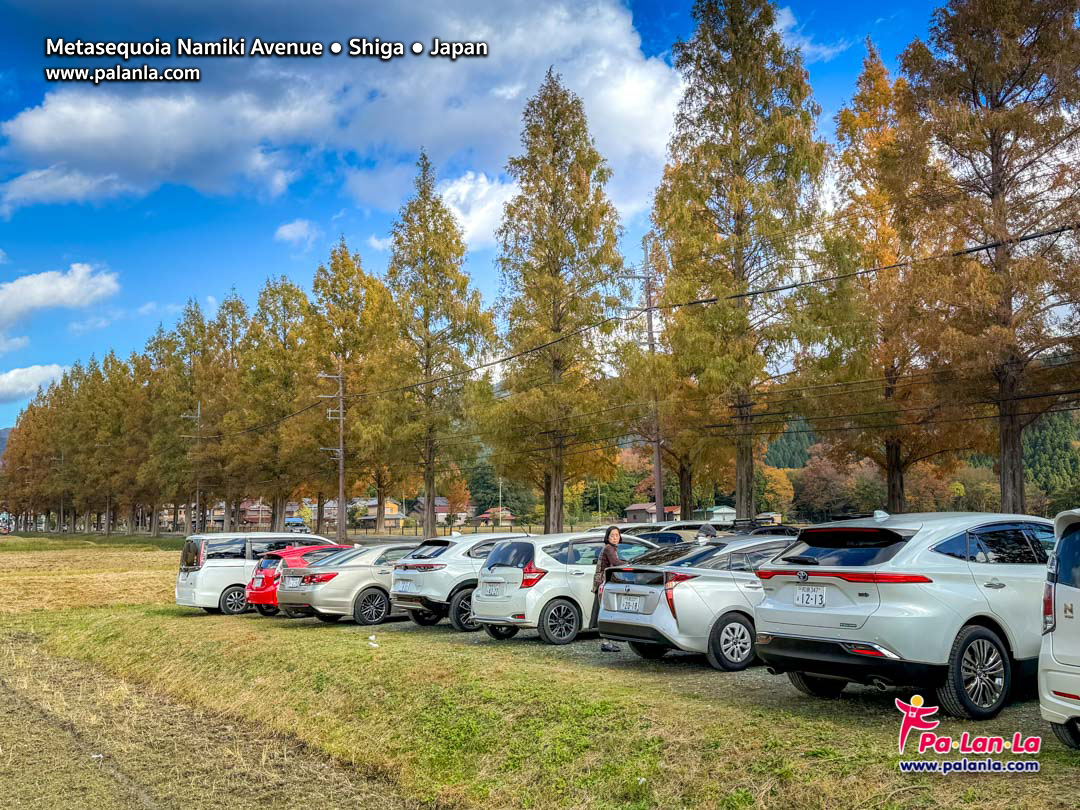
<point x="1059" y="661"/>
<point x="437" y="579"/>
<point x="625" y="528"/>
<point x="943" y="601"/>
<point x="354" y="582"/>
<point x="668" y="538"/>
<point x="261" y="590"/>
<point x="215" y="568"/>
<point x="694" y="597"/>
<point x="543" y="582"/>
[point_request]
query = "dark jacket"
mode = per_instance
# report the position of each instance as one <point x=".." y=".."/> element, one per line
<point x="609" y="556"/>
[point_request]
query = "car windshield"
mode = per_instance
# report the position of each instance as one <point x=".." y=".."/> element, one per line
<point x="428" y="551"/>
<point x="681" y="554"/>
<point x="339" y="558"/>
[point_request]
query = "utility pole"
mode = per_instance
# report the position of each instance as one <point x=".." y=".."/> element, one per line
<point x="658" y="470"/>
<point x="339" y="451"/>
<point x="197" y="419"/>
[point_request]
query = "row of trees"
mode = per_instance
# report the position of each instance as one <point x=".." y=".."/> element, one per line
<point x="870" y="315"/>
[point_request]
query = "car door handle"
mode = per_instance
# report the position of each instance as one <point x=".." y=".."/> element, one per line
<point x="995" y="585"/>
<point x="752" y="586"/>
<point x="577" y="573"/>
<point x="384" y="572"/>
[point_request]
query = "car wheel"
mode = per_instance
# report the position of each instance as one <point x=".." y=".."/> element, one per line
<point x="731" y="643"/>
<point x="233" y="600"/>
<point x="461" y="616"/>
<point x="328" y="618"/>
<point x="649" y="651"/>
<point x="500" y="632"/>
<point x="266" y="610"/>
<point x="560" y="622"/>
<point x="816" y="686"/>
<point x="425" y="618"/>
<point x="1068" y="733"/>
<point x="372" y="606"/>
<point x="979" y="676"/>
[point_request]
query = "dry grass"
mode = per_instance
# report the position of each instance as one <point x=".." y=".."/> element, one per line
<point x="75" y="738"/>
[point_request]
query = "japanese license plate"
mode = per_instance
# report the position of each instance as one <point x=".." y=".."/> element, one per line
<point x="810" y="596"/>
<point x="630" y="604"/>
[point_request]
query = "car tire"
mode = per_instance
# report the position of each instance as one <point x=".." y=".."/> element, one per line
<point x="371" y="606"/>
<point x="233" y="600"/>
<point x="648" y="651"/>
<point x="461" y="612"/>
<point x="1068" y="733"/>
<point x="560" y="622"/>
<point x="328" y="618"/>
<point x="981" y="652"/>
<point x="817" y="686"/>
<point x="731" y="643"/>
<point x="501" y="632"/>
<point x="425" y="618"/>
<point x="266" y="610"/>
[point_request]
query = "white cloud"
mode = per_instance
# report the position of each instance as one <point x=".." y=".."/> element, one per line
<point x="3" y="257"/>
<point x="299" y="233"/>
<point x="79" y="287"/>
<point x="380" y="244"/>
<point x="11" y="344"/>
<point x="794" y="37"/>
<point x="20" y="383"/>
<point x="149" y="308"/>
<point x="477" y="201"/>
<point x="59" y="184"/>
<point x="211" y="302"/>
<point x="91" y="324"/>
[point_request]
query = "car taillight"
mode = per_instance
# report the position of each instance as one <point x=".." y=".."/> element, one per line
<point x="874" y="577"/>
<point x="1049" y="619"/>
<point x="202" y="553"/>
<point x="670" y="581"/>
<point x="530" y="575"/>
<point x="315" y="579"/>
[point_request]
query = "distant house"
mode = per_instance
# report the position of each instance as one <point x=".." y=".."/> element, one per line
<point x="392" y="516"/>
<point x="442" y="510"/>
<point x="494" y="516"/>
<point x="725" y="514"/>
<point x="646" y="513"/>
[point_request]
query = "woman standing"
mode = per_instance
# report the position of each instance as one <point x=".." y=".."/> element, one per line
<point x="609" y="556"/>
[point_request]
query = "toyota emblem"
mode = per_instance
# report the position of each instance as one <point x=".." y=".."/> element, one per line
<point x="803" y="576"/>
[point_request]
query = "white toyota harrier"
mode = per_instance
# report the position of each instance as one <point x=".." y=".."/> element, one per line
<point x="543" y="582"/>
<point x="1059" y="662"/>
<point x="437" y="579"/>
<point x="692" y="596"/>
<point x="939" y="600"/>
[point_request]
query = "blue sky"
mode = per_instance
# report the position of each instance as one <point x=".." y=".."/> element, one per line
<point x="121" y="201"/>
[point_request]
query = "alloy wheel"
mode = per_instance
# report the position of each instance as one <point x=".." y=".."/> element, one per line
<point x="562" y="622"/>
<point x="465" y="614"/>
<point x="373" y="608"/>
<point x="983" y="672"/>
<point x="735" y="642"/>
<point x="235" y="601"/>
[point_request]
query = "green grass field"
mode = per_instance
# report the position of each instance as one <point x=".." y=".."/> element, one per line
<point x="442" y="719"/>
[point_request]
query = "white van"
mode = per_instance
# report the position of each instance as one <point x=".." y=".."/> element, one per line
<point x="215" y="568"/>
<point x="1059" y="663"/>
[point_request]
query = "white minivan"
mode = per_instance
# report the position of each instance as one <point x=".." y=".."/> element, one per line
<point x="215" y="568"/>
<point x="1059" y="660"/>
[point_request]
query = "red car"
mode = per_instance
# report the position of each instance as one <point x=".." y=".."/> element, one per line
<point x="262" y="590"/>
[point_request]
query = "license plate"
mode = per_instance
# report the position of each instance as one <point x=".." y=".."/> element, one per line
<point x="405" y="586"/>
<point x="492" y="589"/>
<point x="630" y="604"/>
<point x="292" y="582"/>
<point x="810" y="596"/>
<point x="258" y="582"/>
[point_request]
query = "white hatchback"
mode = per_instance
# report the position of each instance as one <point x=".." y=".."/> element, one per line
<point x="1059" y="661"/>
<point x="543" y="582"/>
<point x="941" y="600"/>
<point x="437" y="579"/>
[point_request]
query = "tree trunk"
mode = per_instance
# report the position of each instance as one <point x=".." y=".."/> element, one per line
<point x="429" y="485"/>
<point x="894" y="477"/>
<point x="1010" y="446"/>
<point x="189" y="517"/>
<point x="380" y="507"/>
<point x="686" y="491"/>
<point x="320" y="503"/>
<point x="554" y="504"/>
<point x="155" y="520"/>
<point x="131" y="519"/>
<point x="547" y="500"/>
<point x="744" y="460"/>
<point x="227" y="517"/>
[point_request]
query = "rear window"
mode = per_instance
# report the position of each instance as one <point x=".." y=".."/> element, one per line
<point x="261" y="547"/>
<point x="189" y="555"/>
<point x="232" y="549"/>
<point x="669" y="554"/>
<point x="428" y="551"/>
<point x="340" y="557"/>
<point x="313" y="557"/>
<point x="846" y="547"/>
<point x="510" y="555"/>
<point x="269" y="562"/>
<point x="1068" y="557"/>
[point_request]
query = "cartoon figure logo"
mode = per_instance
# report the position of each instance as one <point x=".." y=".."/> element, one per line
<point x="915" y="717"/>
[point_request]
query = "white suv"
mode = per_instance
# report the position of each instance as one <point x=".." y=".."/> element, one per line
<point x="437" y="579"/>
<point x="216" y="568"/>
<point x="1059" y="662"/>
<point x="939" y="600"/>
<point x="543" y="582"/>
